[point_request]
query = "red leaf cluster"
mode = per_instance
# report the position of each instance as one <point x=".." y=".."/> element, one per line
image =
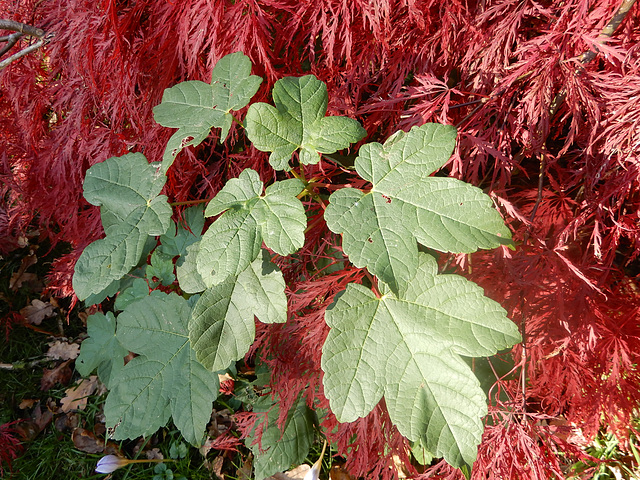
<point x="546" y="97"/>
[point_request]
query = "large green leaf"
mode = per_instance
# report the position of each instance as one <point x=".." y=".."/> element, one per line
<point x="101" y="350"/>
<point x="407" y="349"/>
<point x="127" y="190"/>
<point x="298" y="122"/>
<point x="233" y="241"/>
<point x="222" y="327"/>
<point x="278" y="449"/>
<point x="380" y="228"/>
<point x="165" y="380"/>
<point x="194" y="107"/>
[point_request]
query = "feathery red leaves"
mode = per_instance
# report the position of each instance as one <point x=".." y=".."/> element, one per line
<point x="554" y="139"/>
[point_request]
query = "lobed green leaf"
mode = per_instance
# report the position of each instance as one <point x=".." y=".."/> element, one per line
<point x="234" y="240"/>
<point x="298" y="122"/>
<point x="222" y="327"/>
<point x="380" y="228"/>
<point x="407" y="348"/>
<point x="194" y="107"/>
<point x="165" y="380"/>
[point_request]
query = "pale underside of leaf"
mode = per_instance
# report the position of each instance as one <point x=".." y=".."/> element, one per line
<point x="166" y="379"/>
<point x="222" y="326"/>
<point x="407" y="349"/>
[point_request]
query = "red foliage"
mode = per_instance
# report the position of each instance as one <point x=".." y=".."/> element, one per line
<point x="552" y="134"/>
<point x="10" y="446"/>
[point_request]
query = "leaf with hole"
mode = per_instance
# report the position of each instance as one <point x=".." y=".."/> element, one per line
<point x="405" y="205"/>
<point x="194" y="107"/>
<point x="222" y="327"/>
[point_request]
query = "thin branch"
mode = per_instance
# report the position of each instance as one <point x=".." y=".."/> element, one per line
<point x="21" y="53"/>
<point x="21" y="27"/>
<point x="11" y="41"/>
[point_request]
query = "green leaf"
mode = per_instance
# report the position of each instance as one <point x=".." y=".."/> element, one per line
<point x="138" y="290"/>
<point x="127" y="189"/>
<point x="194" y="107"/>
<point x="175" y="242"/>
<point x="161" y="268"/>
<point x="222" y="327"/>
<point x="233" y="241"/>
<point x="279" y="449"/>
<point x="101" y="350"/>
<point x="407" y="349"/>
<point x="165" y="380"/>
<point x="187" y="271"/>
<point x="298" y="122"/>
<point x="440" y="213"/>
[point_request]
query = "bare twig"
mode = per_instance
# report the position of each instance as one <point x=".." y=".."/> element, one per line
<point x="21" y="53"/>
<point x="20" y="29"/>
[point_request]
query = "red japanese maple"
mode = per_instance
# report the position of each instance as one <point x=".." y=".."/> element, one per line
<point x="546" y="97"/>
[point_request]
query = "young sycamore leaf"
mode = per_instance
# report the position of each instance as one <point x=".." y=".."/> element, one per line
<point x="194" y="107"/>
<point x="441" y="213"/>
<point x="189" y="231"/>
<point x="101" y="350"/>
<point x="126" y="188"/>
<point x="279" y="449"/>
<point x="222" y="327"/>
<point x="233" y="241"/>
<point x="407" y="349"/>
<point x="165" y="380"/>
<point x="298" y="122"/>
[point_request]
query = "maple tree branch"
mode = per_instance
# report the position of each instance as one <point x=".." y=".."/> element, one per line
<point x="20" y="30"/>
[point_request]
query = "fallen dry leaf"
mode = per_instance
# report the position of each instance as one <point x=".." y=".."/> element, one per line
<point x="76" y="396"/>
<point x="338" y="473"/>
<point x="20" y="277"/>
<point x="66" y="421"/>
<point x="27" y="403"/>
<point x="86" y="441"/>
<point x="37" y="311"/>
<point x="216" y="467"/>
<point x="60" y="350"/>
<point x="297" y="473"/>
<point x="60" y="374"/>
<point x="244" y="472"/>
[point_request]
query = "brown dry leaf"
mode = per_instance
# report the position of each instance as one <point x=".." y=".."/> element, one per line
<point x="216" y="467"/>
<point x="37" y="311"/>
<point x="20" y="277"/>
<point x="76" y="396"/>
<point x="338" y="473"/>
<point x="297" y="473"/>
<point x="86" y="441"/>
<point x="244" y="472"/>
<point x="27" y="403"/>
<point x="60" y="350"/>
<point x="60" y="374"/>
<point x="66" y="421"/>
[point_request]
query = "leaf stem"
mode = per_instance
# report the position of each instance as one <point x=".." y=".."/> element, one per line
<point x="190" y="202"/>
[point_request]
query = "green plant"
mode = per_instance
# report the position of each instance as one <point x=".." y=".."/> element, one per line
<point x="401" y="334"/>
